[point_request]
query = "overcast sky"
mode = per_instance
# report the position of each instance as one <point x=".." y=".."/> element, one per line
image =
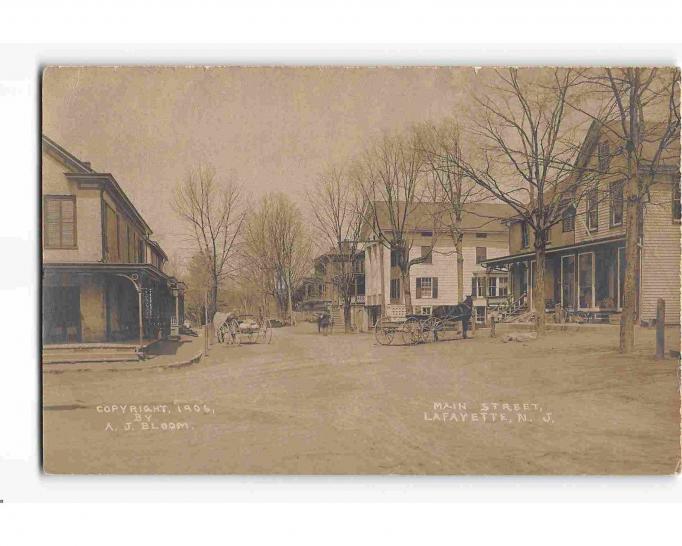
<point x="271" y="128"/>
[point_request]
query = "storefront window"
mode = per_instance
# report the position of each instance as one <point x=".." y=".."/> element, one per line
<point x="586" y="280"/>
<point x="568" y="282"/>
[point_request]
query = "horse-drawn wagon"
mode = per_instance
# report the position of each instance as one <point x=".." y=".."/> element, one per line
<point x="410" y="329"/>
<point x="236" y="329"/>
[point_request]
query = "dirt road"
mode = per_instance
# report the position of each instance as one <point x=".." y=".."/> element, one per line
<point x="309" y="404"/>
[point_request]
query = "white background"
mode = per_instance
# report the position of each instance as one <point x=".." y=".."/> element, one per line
<point x="414" y="510"/>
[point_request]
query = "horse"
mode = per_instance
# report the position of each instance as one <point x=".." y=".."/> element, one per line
<point x="224" y="324"/>
<point x="460" y="312"/>
<point x="324" y="322"/>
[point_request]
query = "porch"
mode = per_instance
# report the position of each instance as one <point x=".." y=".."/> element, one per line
<point x="585" y="280"/>
<point x="106" y="309"/>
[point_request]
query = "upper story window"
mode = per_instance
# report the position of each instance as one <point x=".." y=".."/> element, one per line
<point x="395" y="289"/>
<point x="395" y="257"/>
<point x="568" y="218"/>
<point x="427" y="254"/>
<point x="481" y="254"/>
<point x="359" y="265"/>
<point x="524" y="235"/>
<point x="603" y="156"/>
<point x="60" y="221"/>
<point x="677" y="208"/>
<point x="592" y="209"/>
<point x="616" y="203"/>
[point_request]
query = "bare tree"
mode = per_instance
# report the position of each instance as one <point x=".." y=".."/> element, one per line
<point x="528" y="155"/>
<point x="214" y="212"/>
<point x="442" y="152"/>
<point x="390" y="181"/>
<point x="338" y="221"/>
<point x="279" y="247"/>
<point x="640" y="107"/>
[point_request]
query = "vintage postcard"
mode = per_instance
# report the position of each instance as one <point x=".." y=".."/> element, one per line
<point x="362" y="270"/>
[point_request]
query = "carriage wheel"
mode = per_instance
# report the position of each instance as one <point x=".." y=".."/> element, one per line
<point x="428" y="330"/>
<point x="411" y="331"/>
<point x="383" y="335"/>
<point x="265" y="332"/>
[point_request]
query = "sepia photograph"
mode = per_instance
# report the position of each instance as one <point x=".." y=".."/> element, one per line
<point x="328" y="270"/>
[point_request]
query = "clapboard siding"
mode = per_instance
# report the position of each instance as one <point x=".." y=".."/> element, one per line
<point x="660" y="256"/>
<point x="444" y="266"/>
<point x="604" y="213"/>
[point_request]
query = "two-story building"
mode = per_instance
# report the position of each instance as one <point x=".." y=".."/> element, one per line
<point x="103" y="278"/>
<point x="433" y="283"/>
<point x="322" y="290"/>
<point x="585" y="258"/>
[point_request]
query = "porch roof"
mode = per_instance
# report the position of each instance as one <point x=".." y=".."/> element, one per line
<point x="496" y="263"/>
<point x="98" y="267"/>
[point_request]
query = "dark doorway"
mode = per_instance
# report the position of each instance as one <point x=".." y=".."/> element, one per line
<point x="61" y="314"/>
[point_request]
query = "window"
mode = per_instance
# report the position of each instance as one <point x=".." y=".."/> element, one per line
<point x="110" y="234"/>
<point x="478" y="287"/>
<point x="428" y="310"/>
<point x="524" y="235"/>
<point x="395" y="289"/>
<point x="60" y="221"/>
<point x="677" y="208"/>
<point x="395" y="257"/>
<point x="427" y="253"/>
<point x="568" y="219"/>
<point x="585" y="280"/>
<point x="592" y="209"/>
<point x="616" y="203"/>
<point x="603" y="156"/>
<point x="427" y="287"/>
<point x="481" y="254"/>
<point x="427" y="234"/>
<point x="502" y="286"/>
<point x="481" y="235"/>
<point x="492" y="287"/>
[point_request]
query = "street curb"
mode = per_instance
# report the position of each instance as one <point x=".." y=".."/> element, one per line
<point x="181" y="364"/>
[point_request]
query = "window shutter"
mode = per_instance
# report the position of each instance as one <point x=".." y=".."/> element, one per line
<point x="52" y="214"/>
<point x="68" y="217"/>
<point x="419" y="287"/>
<point x="434" y="282"/>
<point x="473" y="287"/>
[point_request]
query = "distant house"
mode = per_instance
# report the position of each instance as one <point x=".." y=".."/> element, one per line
<point x="322" y="290"/>
<point x="585" y="261"/>
<point x="103" y="274"/>
<point x="433" y="283"/>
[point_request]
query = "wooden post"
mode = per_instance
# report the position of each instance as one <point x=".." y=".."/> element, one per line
<point x="660" y="329"/>
<point x="139" y="316"/>
<point x="492" y="326"/>
<point x="206" y="324"/>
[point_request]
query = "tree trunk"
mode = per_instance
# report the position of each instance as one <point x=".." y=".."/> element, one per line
<point x="539" y="286"/>
<point x="346" y="316"/>
<point x="213" y="300"/>
<point x="407" y="294"/>
<point x="627" y="317"/>
<point x="460" y="269"/>
<point x="290" y="306"/>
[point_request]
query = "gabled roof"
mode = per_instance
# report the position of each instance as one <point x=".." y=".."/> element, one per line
<point x="82" y="173"/>
<point x="480" y="217"/>
<point x="66" y="157"/>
